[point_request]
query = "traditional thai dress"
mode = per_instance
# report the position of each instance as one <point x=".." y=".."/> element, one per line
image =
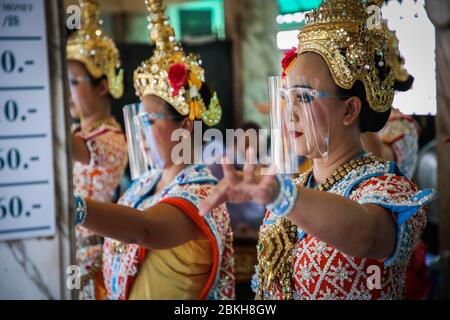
<point x="98" y="181"/>
<point x="401" y="133"/>
<point x="316" y="270"/>
<point x="195" y="270"/>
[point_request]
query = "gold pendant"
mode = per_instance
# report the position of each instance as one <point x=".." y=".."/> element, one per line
<point x="275" y="256"/>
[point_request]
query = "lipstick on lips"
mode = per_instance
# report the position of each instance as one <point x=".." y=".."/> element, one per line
<point x="296" y="134"/>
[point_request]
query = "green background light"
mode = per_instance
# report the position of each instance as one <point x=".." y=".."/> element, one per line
<point x="292" y="6"/>
<point x="212" y="7"/>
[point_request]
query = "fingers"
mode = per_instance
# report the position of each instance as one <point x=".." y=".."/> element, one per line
<point x="229" y="172"/>
<point x="250" y="165"/>
<point x="262" y="191"/>
<point x="235" y="189"/>
<point x="268" y="177"/>
<point x="269" y="186"/>
<point x="217" y="196"/>
<point x="259" y="193"/>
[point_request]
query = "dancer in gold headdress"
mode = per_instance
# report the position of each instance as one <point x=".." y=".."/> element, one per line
<point x="99" y="146"/>
<point x="158" y="245"/>
<point x="346" y="228"/>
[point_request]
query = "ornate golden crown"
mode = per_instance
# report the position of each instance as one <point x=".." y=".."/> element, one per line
<point x="340" y="31"/>
<point x="172" y="75"/>
<point x="96" y="51"/>
<point x="396" y="61"/>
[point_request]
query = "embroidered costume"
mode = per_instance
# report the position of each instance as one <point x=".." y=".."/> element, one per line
<point x="107" y="147"/>
<point x="320" y="271"/>
<point x="122" y="262"/>
<point x="295" y="265"/>
<point x="97" y="180"/>
<point x="197" y="269"/>
<point x="401" y="133"/>
<point x="105" y="141"/>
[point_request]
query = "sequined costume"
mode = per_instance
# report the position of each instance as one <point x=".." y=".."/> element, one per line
<point x="401" y="133"/>
<point x="108" y="157"/>
<point x="121" y="263"/>
<point x="295" y="265"/>
<point x="97" y="180"/>
<point x="178" y="79"/>
<point x="105" y="141"/>
<point x="324" y="273"/>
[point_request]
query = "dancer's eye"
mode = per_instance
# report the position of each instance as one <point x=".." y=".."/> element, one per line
<point x="305" y="97"/>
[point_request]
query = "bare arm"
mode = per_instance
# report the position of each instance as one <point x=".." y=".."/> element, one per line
<point x="365" y="231"/>
<point x="162" y="226"/>
<point x="79" y="150"/>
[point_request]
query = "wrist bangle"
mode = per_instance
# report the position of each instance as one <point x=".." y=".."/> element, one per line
<point x="80" y="211"/>
<point x="286" y="198"/>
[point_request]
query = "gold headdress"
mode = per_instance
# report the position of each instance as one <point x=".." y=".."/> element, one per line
<point x="341" y="32"/>
<point x="96" y="51"/>
<point x="172" y="75"/>
<point x="396" y="61"/>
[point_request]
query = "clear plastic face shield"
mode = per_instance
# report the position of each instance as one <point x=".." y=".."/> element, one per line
<point x="142" y="146"/>
<point x="299" y="119"/>
<point x="136" y="159"/>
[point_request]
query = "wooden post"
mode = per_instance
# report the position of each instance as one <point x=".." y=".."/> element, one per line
<point x="233" y="32"/>
<point x="251" y="26"/>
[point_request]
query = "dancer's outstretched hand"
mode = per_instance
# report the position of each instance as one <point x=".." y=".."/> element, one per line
<point x="237" y="187"/>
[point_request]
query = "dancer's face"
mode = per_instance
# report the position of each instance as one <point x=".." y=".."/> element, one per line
<point x="162" y="128"/>
<point x="84" y="94"/>
<point x="327" y="112"/>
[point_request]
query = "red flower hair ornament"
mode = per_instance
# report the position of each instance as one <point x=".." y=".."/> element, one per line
<point x="288" y="59"/>
<point x="177" y="77"/>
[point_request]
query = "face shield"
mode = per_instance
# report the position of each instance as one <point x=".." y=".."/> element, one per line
<point x="138" y="165"/>
<point x="142" y="146"/>
<point x="148" y="146"/>
<point x="299" y="119"/>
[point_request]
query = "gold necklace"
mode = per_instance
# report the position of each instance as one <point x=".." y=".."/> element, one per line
<point x="275" y="245"/>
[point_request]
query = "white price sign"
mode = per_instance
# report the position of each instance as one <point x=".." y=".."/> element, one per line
<point x="27" y="191"/>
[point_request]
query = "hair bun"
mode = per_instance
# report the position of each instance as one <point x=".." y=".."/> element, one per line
<point x="403" y="86"/>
